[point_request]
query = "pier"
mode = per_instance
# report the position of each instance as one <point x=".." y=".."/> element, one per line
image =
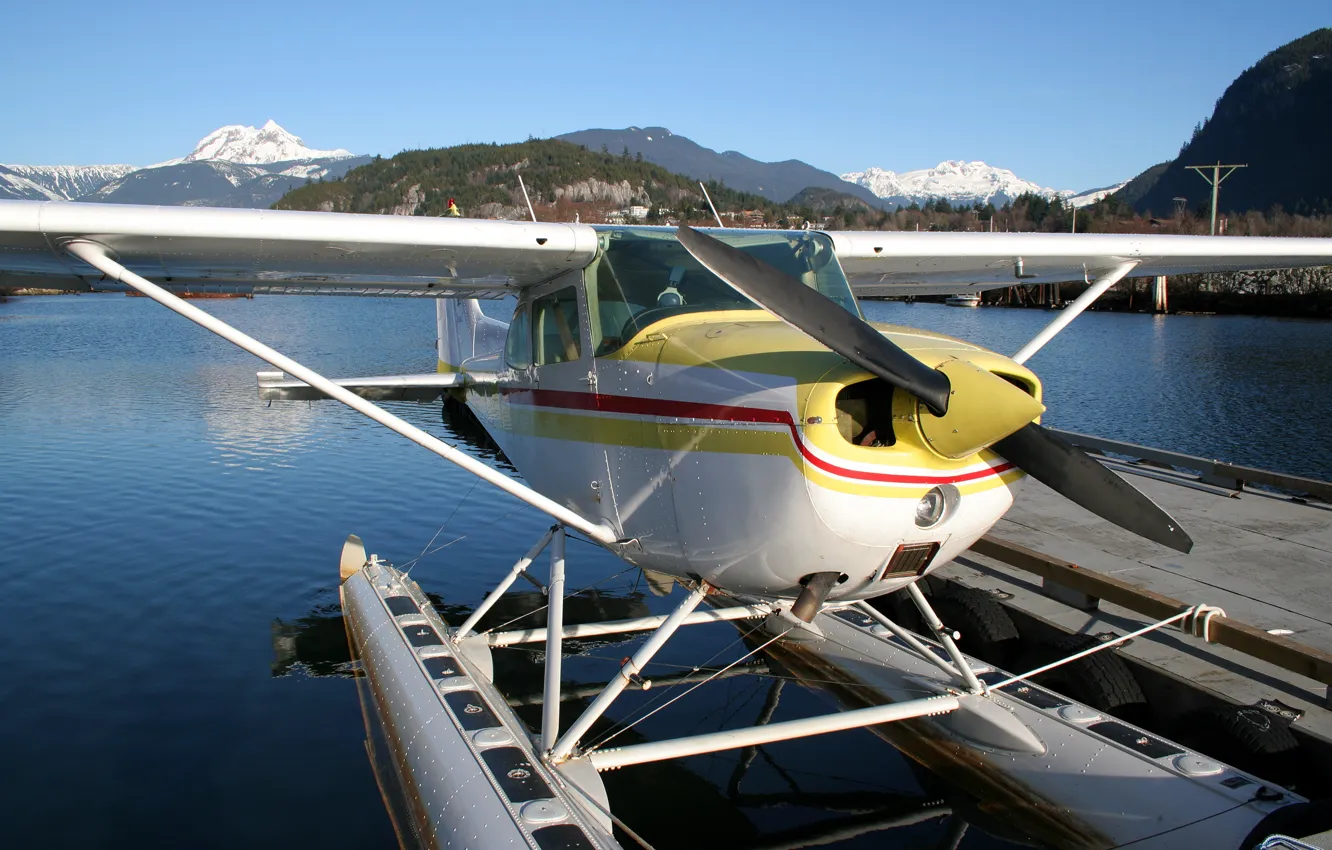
<point x="1262" y="553"/>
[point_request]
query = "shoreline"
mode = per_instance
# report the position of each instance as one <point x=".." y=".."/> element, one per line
<point x="1316" y="307"/>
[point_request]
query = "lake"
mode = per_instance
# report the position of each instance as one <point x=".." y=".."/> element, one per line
<point x="176" y="668"/>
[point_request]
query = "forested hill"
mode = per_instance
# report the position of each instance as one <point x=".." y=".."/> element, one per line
<point x="1277" y="118"/>
<point x="561" y="178"/>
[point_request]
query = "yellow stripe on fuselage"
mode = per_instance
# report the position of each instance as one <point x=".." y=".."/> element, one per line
<point x="754" y="342"/>
<point x="760" y="439"/>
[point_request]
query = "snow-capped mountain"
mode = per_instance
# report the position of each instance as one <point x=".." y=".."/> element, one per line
<point x="1091" y="196"/>
<point x="233" y="166"/>
<point x="15" y="186"/>
<point x="67" y="182"/>
<point x="249" y="146"/>
<point x="954" y="180"/>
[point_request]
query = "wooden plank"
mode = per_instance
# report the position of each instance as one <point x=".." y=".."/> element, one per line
<point x="1103" y="444"/>
<point x="1296" y="483"/>
<point x="1214" y="468"/>
<point x="1279" y="651"/>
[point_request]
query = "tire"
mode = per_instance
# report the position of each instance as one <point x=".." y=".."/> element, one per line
<point x="1102" y="681"/>
<point x="987" y="631"/>
<point x="1298" y="820"/>
<point x="1248" y="737"/>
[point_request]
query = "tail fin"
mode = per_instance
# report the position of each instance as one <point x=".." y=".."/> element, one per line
<point x="465" y="333"/>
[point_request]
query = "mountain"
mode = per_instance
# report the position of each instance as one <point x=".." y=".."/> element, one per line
<point x="234" y="166"/>
<point x="960" y="183"/>
<point x="1091" y="196"/>
<point x="67" y="182"/>
<point x="1137" y="188"/>
<point x="827" y="200"/>
<point x="1276" y="117"/>
<point x="15" y="186"/>
<point x="776" y="181"/>
<point x="564" y="180"/>
<point x="246" y="145"/>
<point x="220" y="183"/>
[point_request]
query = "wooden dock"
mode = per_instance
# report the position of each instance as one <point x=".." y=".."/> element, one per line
<point x="1264" y="556"/>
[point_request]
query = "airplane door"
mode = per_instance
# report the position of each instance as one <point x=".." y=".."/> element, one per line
<point x="569" y="454"/>
<point x="561" y="353"/>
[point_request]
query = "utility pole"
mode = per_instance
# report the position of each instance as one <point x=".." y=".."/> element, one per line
<point x="1215" y="182"/>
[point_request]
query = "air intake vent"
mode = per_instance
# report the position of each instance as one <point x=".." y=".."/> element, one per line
<point x="910" y="559"/>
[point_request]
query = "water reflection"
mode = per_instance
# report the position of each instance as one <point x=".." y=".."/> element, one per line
<point x="313" y="645"/>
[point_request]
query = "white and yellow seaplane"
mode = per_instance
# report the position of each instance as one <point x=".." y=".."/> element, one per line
<point x="710" y="406"/>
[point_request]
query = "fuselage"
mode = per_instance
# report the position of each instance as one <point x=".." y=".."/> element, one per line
<point x="727" y="445"/>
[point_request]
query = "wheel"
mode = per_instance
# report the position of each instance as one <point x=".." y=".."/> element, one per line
<point x="1248" y="737"/>
<point x="1102" y="681"/>
<point x="987" y="632"/>
<point x="1298" y="820"/>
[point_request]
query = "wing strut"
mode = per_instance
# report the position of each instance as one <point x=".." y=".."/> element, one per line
<point x="1075" y="309"/>
<point x="97" y="256"/>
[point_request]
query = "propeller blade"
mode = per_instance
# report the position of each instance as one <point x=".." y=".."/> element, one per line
<point x="819" y="316"/>
<point x="1075" y="476"/>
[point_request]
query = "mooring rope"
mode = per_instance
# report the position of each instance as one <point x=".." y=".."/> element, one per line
<point x="1199" y="621"/>
<point x="1198" y="618"/>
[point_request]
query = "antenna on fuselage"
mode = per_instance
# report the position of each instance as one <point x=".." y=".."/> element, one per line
<point x="523" y="186"/>
<point x="709" y="199"/>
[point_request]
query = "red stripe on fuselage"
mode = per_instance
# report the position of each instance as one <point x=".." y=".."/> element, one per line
<point x="665" y="408"/>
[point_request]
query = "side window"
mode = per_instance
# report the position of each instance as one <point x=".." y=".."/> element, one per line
<point x="518" y="345"/>
<point x="555" y="324"/>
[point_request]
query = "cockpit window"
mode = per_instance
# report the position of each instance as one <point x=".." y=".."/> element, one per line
<point x="644" y="275"/>
<point x="518" y="344"/>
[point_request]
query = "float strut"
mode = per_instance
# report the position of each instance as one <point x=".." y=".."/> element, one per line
<point x="754" y="736"/>
<point x="932" y="620"/>
<point x="627" y="673"/>
<point x="523" y="563"/>
<point x="910" y="640"/>
<point x="550" y="709"/>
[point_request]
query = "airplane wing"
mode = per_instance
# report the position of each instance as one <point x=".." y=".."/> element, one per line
<point x="905" y="263"/>
<point x="200" y="249"/>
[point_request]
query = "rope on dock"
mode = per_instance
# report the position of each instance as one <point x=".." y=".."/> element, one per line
<point x="1199" y="621"/>
<point x="1196" y="620"/>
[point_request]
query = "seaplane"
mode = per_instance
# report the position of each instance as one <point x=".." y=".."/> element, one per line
<point x="711" y="406"/>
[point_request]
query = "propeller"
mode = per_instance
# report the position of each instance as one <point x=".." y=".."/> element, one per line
<point x="989" y="412"/>
<point x="819" y="316"/>
<point x="1059" y="465"/>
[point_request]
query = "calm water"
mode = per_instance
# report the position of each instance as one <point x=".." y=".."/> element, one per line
<point x="175" y="665"/>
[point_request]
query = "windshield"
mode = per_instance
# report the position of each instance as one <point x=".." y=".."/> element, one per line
<point x="643" y="275"/>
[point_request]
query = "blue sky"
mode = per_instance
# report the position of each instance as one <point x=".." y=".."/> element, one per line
<point x="1070" y="94"/>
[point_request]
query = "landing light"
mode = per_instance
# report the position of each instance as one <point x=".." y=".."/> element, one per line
<point x="934" y="506"/>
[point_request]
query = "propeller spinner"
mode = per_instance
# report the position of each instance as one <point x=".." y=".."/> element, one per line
<point x="964" y="408"/>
